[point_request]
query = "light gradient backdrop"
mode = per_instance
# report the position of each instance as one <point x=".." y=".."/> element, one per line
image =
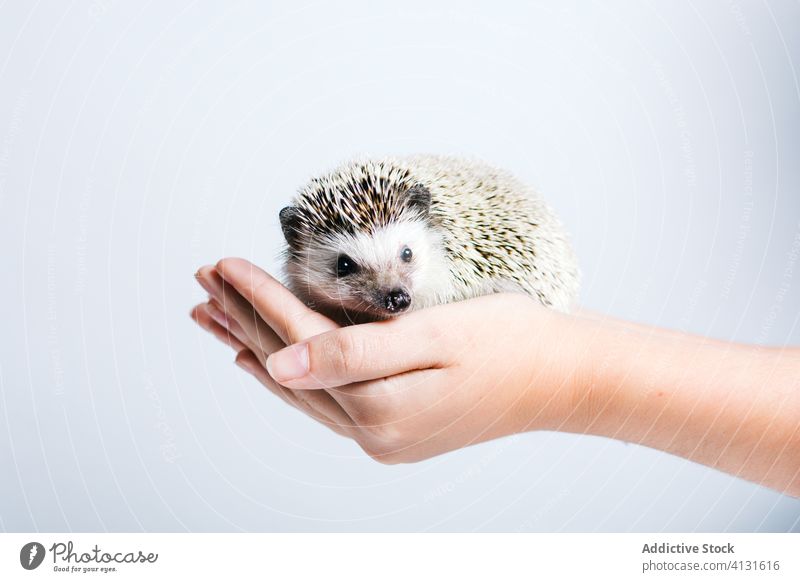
<point x="139" y="140"/>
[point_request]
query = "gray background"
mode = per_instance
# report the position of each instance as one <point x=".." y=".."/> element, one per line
<point x="139" y="140"/>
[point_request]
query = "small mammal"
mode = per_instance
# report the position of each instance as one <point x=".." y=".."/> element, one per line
<point x="375" y="238"/>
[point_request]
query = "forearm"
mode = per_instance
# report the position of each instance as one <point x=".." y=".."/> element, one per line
<point x="733" y="407"/>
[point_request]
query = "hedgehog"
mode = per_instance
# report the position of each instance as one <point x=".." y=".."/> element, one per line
<point x="376" y="238"/>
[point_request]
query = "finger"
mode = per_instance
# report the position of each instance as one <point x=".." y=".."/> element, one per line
<point x="245" y="358"/>
<point x="240" y="310"/>
<point x="263" y="341"/>
<point x="210" y="280"/>
<point x="204" y="319"/>
<point x="359" y="353"/>
<point x="248" y="362"/>
<point x="217" y="313"/>
<point x="320" y="406"/>
<point x="289" y="317"/>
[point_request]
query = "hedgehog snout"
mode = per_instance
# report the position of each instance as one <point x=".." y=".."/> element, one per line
<point x="395" y="300"/>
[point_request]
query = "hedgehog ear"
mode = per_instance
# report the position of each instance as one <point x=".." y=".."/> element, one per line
<point x="419" y="198"/>
<point x="290" y="223"/>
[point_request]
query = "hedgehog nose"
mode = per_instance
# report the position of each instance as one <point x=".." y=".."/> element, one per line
<point x="397" y="300"/>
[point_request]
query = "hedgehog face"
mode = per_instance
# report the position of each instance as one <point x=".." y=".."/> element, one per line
<point x="362" y="240"/>
<point x="379" y="274"/>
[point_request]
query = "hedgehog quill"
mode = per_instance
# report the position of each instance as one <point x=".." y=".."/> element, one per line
<point x="376" y="238"/>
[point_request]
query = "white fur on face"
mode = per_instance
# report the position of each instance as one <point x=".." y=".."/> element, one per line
<point x="425" y="277"/>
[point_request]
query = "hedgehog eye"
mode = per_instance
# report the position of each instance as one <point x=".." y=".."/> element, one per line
<point x="406" y="254"/>
<point x="345" y="266"/>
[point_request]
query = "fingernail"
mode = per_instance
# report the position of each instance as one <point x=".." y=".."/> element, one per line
<point x="289" y="363"/>
<point x="217" y="315"/>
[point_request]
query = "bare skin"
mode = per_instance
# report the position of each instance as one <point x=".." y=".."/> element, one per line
<point x="443" y="378"/>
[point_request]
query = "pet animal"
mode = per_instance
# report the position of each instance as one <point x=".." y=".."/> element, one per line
<point x="375" y="238"/>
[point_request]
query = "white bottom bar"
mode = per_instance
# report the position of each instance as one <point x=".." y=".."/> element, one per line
<point x="401" y="557"/>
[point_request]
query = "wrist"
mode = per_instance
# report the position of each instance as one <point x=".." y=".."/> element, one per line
<point x="562" y="385"/>
<point x="599" y="352"/>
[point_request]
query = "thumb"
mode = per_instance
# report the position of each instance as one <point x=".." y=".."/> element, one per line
<point x="356" y="354"/>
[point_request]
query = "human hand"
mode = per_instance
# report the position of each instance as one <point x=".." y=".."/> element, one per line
<point x="446" y="377"/>
<point x="409" y="388"/>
